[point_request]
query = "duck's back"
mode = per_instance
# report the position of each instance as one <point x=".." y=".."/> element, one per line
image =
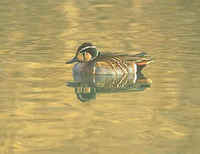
<point x="120" y="64"/>
<point x="114" y="65"/>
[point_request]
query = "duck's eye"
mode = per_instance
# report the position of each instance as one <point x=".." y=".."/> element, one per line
<point x="87" y="56"/>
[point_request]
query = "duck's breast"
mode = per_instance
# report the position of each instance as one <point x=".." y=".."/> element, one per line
<point x="81" y="67"/>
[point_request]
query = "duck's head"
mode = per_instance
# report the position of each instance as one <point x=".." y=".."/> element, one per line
<point x="85" y="53"/>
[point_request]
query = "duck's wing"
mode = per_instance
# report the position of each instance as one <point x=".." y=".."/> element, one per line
<point x="140" y="58"/>
<point x="137" y="57"/>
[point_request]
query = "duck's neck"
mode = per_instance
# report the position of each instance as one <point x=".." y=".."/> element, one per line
<point x="96" y="55"/>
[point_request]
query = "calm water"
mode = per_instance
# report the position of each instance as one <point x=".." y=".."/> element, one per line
<point x="39" y="114"/>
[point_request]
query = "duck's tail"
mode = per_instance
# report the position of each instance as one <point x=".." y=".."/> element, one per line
<point x="143" y="60"/>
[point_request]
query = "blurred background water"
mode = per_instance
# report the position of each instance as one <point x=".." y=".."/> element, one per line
<point x="39" y="114"/>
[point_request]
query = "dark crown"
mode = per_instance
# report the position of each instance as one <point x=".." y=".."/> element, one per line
<point x="88" y="47"/>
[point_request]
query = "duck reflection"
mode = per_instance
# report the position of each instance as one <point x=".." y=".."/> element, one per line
<point x="87" y="86"/>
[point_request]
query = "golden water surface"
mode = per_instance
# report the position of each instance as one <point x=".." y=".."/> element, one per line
<point x="40" y="114"/>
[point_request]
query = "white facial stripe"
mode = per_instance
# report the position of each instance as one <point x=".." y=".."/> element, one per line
<point x="88" y="47"/>
<point x="97" y="53"/>
<point x="135" y="70"/>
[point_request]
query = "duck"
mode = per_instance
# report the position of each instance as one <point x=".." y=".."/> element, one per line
<point x="90" y="60"/>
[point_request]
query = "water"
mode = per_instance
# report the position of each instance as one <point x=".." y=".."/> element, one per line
<point x="40" y="114"/>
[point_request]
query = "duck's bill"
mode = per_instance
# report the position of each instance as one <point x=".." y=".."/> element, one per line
<point x="72" y="60"/>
